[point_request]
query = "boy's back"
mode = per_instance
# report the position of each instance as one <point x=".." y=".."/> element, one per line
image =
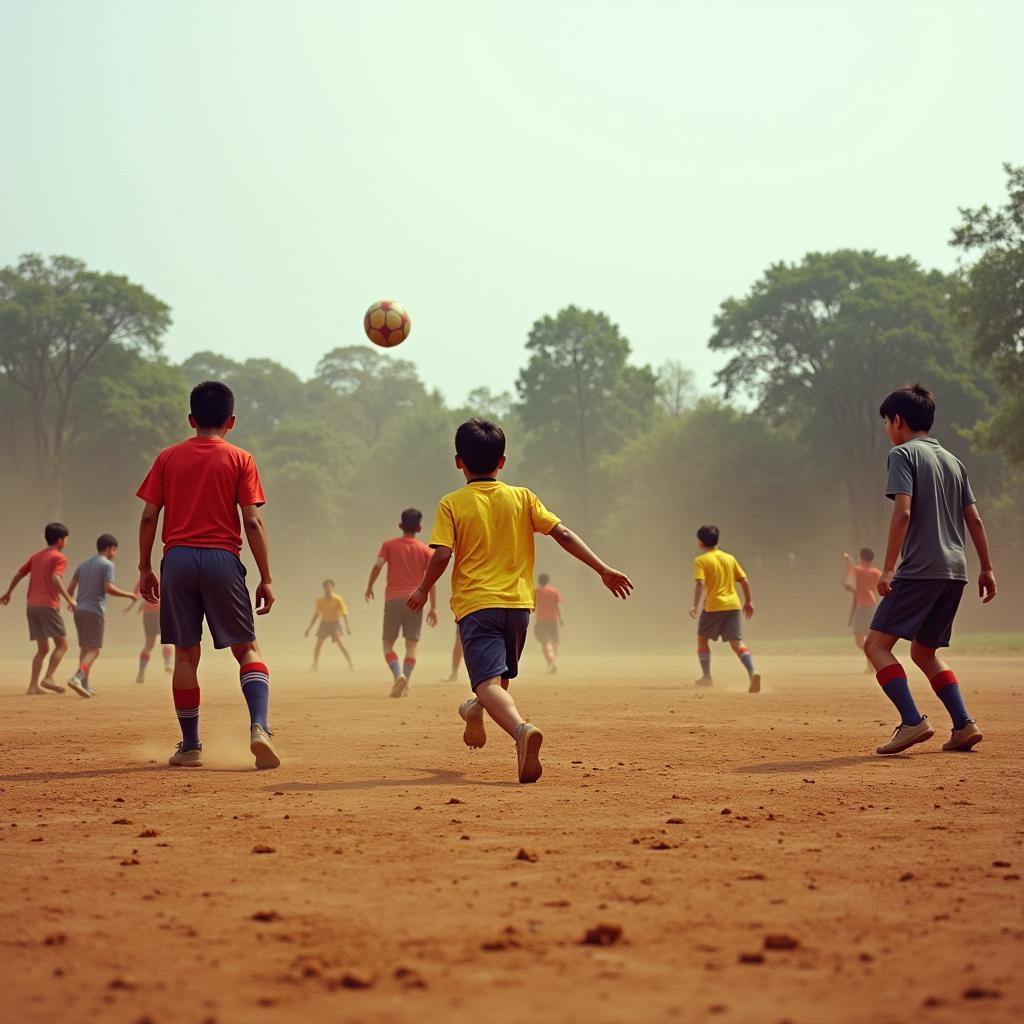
<point x="719" y="572"/>
<point x="406" y="558"/>
<point x="40" y="569"/>
<point x="93" y="576"/>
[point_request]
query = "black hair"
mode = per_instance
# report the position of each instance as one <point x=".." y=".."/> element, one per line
<point x="867" y="555"/>
<point x="543" y="579"/>
<point x="106" y="540"/>
<point x="411" y="519"/>
<point x="708" y="536"/>
<point x="325" y="582"/>
<point x="913" y="403"/>
<point x="211" y="403"/>
<point x="480" y="444"/>
<point x="54" y="532"/>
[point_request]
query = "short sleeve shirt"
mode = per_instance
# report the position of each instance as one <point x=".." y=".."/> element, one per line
<point x="719" y="572"/>
<point x="40" y="569"/>
<point x="939" y="490"/>
<point x="490" y="527"/>
<point x="93" y="576"/>
<point x="407" y="559"/>
<point x="200" y="485"/>
<point x="865" y="581"/>
<point x="330" y="609"/>
<point x="548" y="600"/>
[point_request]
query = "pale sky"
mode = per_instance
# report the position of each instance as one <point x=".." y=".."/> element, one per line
<point x="271" y="168"/>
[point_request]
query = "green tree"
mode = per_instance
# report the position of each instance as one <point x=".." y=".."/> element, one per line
<point x="992" y="302"/>
<point x="819" y="343"/>
<point x="677" y="389"/>
<point x="580" y="401"/>
<point x="56" y="319"/>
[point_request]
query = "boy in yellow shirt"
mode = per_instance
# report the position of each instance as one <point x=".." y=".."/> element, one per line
<point x="331" y="610"/>
<point x="716" y="573"/>
<point x="489" y="528"/>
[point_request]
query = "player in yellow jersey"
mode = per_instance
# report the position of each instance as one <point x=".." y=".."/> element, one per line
<point x="333" y="615"/>
<point x="717" y="573"/>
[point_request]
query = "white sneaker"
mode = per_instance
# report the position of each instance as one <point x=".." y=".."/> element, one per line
<point x="186" y="758"/>
<point x="472" y="713"/>
<point x="400" y="686"/>
<point x="906" y="736"/>
<point x="528" y="741"/>
<point x="79" y="687"/>
<point x="262" y="747"/>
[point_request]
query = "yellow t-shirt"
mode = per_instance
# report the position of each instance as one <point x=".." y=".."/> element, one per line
<point x="330" y="609"/>
<point x="490" y="527"/>
<point x="719" y="571"/>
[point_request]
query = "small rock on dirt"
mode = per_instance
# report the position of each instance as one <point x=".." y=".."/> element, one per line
<point x="602" y="935"/>
<point x="266" y="915"/>
<point x="779" y="940"/>
<point x="358" y="979"/>
<point x="751" y="958"/>
<point x="977" y="992"/>
<point x="527" y="853"/>
<point x="262" y="848"/>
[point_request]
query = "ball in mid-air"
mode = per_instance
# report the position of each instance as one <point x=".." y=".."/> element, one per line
<point x="387" y="323"/>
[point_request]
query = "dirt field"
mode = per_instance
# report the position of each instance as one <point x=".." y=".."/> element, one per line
<point x="699" y="823"/>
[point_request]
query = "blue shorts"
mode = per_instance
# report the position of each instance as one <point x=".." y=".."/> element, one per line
<point x="204" y="581"/>
<point x="921" y="610"/>
<point x="492" y="642"/>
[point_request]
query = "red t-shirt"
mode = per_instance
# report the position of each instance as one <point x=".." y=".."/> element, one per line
<point x="407" y="559"/>
<point x="548" y="600"/>
<point x="200" y="484"/>
<point x="865" y="584"/>
<point x="41" y="568"/>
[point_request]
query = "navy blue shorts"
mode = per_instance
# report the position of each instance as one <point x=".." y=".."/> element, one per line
<point x="492" y="642"/>
<point x="204" y="581"/>
<point x="921" y="610"/>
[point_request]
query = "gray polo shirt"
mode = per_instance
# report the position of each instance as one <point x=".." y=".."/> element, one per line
<point x="93" y="575"/>
<point x="939" y="492"/>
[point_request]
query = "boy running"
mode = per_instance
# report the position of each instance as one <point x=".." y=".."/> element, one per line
<point x="45" y="570"/>
<point x="489" y="528"/>
<point x="151" y="632"/>
<point x="932" y="506"/>
<point x="406" y="558"/>
<point x="716" y="573"/>
<point x="331" y="610"/>
<point x="549" y="619"/>
<point x="94" y="580"/>
<point x="862" y="582"/>
<point x="200" y="484"/>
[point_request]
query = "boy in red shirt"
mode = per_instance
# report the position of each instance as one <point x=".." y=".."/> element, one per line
<point x="549" y="618"/>
<point x="200" y="484"/>
<point x="862" y="580"/>
<point x="406" y="558"/>
<point x="45" y="570"/>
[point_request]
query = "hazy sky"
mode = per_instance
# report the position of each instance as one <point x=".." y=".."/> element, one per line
<point x="270" y="168"/>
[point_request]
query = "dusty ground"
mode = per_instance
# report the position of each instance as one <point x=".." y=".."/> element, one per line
<point x="700" y="823"/>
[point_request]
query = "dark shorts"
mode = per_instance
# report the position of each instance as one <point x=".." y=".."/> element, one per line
<point x="45" y="623"/>
<point x="721" y="625"/>
<point x="492" y="642"/>
<point x="399" y="617"/>
<point x="151" y="623"/>
<point x="328" y="630"/>
<point x="198" y="582"/>
<point x="546" y="632"/>
<point x="862" y="619"/>
<point x="89" y="627"/>
<point x="921" y="610"/>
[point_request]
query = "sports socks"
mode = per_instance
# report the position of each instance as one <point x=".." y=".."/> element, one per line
<point x="392" y="659"/>
<point x="255" y="679"/>
<point x="893" y="681"/>
<point x="186" y="707"/>
<point x="947" y="689"/>
<point x="704" y="657"/>
<point x="407" y="666"/>
<point x="743" y="653"/>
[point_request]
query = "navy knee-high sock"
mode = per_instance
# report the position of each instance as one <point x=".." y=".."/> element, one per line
<point x="704" y="657"/>
<point x="186" y="707"/>
<point x="947" y="689"/>
<point x="256" y="689"/>
<point x="893" y="680"/>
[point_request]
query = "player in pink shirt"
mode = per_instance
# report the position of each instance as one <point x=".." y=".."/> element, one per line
<point x="549" y="619"/>
<point x="862" y="581"/>
<point x="406" y="558"/>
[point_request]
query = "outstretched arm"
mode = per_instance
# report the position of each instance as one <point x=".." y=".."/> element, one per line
<point x="898" y="526"/>
<point x="15" y="580"/>
<point x="374" y="573"/>
<point x="118" y="592"/>
<point x="617" y="582"/>
<point x="976" y="528"/>
<point x="435" y="570"/>
<point x="312" y="622"/>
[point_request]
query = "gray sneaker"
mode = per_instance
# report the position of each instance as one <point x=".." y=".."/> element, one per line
<point x="472" y="713"/>
<point x="76" y="684"/>
<point x="401" y="687"/>
<point x="186" y="758"/>
<point x="965" y="737"/>
<point x="906" y="736"/>
<point x="263" y="748"/>
<point x="528" y="741"/>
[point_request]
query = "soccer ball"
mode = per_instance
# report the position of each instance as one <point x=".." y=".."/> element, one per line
<point x="387" y="324"/>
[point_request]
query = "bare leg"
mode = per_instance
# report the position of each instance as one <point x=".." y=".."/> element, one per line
<point x="60" y="648"/>
<point x="878" y="649"/>
<point x="343" y="649"/>
<point x="927" y="660"/>
<point x="316" y="651"/>
<point x="186" y="667"/>
<point x="495" y="699"/>
<point x="42" y="649"/>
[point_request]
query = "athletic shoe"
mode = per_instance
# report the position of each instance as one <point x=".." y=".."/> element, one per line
<point x="53" y="687"/>
<point x="704" y="681"/>
<point x="755" y="683"/>
<point x="906" y="736"/>
<point x="965" y="737"/>
<point x="186" y="758"/>
<point x="400" y="687"/>
<point x="262" y="747"/>
<point x="90" y="690"/>
<point x="552" y="670"/>
<point x="140" y="678"/>
<point x="472" y="713"/>
<point x="528" y="741"/>
<point x="79" y="687"/>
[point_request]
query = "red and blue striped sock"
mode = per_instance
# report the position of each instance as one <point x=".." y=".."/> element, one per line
<point x="947" y="689"/>
<point x="407" y="666"/>
<point x="704" y="657"/>
<point x="186" y="707"/>
<point x="255" y="679"/>
<point x="392" y="659"/>
<point x="743" y="653"/>
<point x="893" y="681"/>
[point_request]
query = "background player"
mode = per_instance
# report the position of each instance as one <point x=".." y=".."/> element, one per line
<point x="456" y="658"/>
<point x="150" y="611"/>
<point x="862" y="581"/>
<point x="331" y="610"/>
<point x="716" y="573"/>
<point x="549" y="619"/>
<point x="406" y="558"/>
<point x="45" y="570"/>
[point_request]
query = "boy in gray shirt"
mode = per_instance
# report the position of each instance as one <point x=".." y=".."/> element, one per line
<point x="933" y="509"/>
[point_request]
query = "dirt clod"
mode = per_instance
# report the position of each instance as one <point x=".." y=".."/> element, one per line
<point x="602" y="935"/>
<point x="527" y="853"/>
